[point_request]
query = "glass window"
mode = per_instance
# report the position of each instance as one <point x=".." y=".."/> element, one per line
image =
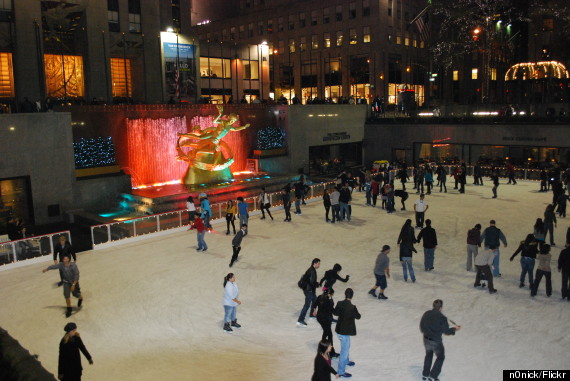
<point x="250" y="69"/>
<point x="5" y="5"/>
<point x="113" y="5"/>
<point x="314" y="16"/>
<point x="135" y="6"/>
<point x="398" y="39"/>
<point x="280" y="27"/>
<point x="121" y="78"/>
<point x="302" y="19"/>
<point x="291" y="45"/>
<point x="215" y="67"/>
<point x="474" y="73"/>
<point x="493" y="74"/>
<point x="113" y="20"/>
<point x="339" y="37"/>
<point x="291" y="24"/>
<point x="352" y="10"/>
<point x="366" y="34"/>
<point x="327" y="39"/>
<point x="326" y="16"/>
<point x="233" y="33"/>
<point x="338" y="13"/>
<point x="365" y="8"/>
<point x="281" y="47"/>
<point x="456" y="75"/>
<point x="134" y="23"/>
<point x="241" y="31"/>
<point x="260" y="28"/>
<point x="352" y="34"/>
<point x="224" y="34"/>
<point x="303" y="44"/>
<point x="269" y="26"/>
<point x="250" y="30"/>
<point x="64" y="76"/>
<point x="407" y="41"/>
<point x="314" y="41"/>
<point x="6" y="76"/>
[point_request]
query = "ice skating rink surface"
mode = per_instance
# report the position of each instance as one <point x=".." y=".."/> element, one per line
<point x="153" y="309"/>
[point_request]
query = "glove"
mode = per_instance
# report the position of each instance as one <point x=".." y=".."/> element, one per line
<point x="91" y="361"/>
<point x="347" y="277"/>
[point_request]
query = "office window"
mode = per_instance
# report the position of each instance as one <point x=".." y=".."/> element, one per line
<point x="291" y="24"/>
<point x="314" y="41"/>
<point x="121" y="78"/>
<point x="302" y="19"/>
<point x="338" y="13"/>
<point x="215" y="67"/>
<point x="339" y="37"/>
<point x="241" y="31"/>
<point x="327" y="39"/>
<point x="474" y="73"/>
<point x="314" y="16"/>
<point x="64" y="76"/>
<point x="6" y="5"/>
<point x="280" y="27"/>
<point x="493" y="74"/>
<point x="113" y="15"/>
<point x="365" y="34"/>
<point x="291" y="45"/>
<point x="352" y="10"/>
<point x="224" y="34"/>
<point x="456" y="75"/>
<point x="281" y="47"/>
<point x="134" y="16"/>
<point x="269" y="26"/>
<point x="365" y="8"/>
<point x="326" y="16"/>
<point x="250" y="30"/>
<point x="352" y="36"/>
<point x="135" y="6"/>
<point x="303" y="44"/>
<point x="6" y="76"/>
<point x="407" y="41"/>
<point x="250" y="69"/>
<point x="260" y="28"/>
<point x="398" y="39"/>
<point x="233" y="33"/>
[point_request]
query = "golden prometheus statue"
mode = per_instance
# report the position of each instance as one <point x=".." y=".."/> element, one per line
<point x="208" y="157"/>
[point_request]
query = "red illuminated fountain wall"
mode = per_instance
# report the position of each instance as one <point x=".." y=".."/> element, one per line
<point x="152" y="148"/>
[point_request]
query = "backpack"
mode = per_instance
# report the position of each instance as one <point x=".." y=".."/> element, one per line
<point x="303" y="282"/>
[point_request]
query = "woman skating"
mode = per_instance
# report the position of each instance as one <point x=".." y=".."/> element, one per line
<point x="324" y="313"/>
<point x="231" y="301"/>
<point x="191" y="211"/>
<point x="230" y="216"/>
<point x="323" y="368"/>
<point x="406" y="241"/>
<point x="69" y="368"/>
<point x="528" y="249"/>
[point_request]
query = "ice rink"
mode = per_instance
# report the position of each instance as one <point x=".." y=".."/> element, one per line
<point x="153" y="309"/>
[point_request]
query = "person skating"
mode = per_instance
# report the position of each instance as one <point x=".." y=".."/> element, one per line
<point x="191" y="211"/>
<point x="69" y="364"/>
<point x="403" y="176"/>
<point x="231" y="301"/>
<point x="236" y="243"/>
<point x="381" y="272"/>
<point x="442" y="178"/>
<point x="433" y="325"/>
<point x="429" y="237"/>
<point x="539" y="232"/>
<point x="63" y="249"/>
<point x="308" y="284"/>
<point x="299" y="188"/>
<point x="345" y="327"/>
<point x="264" y="204"/>
<point x="326" y="204"/>
<point x="335" y="205"/>
<point x="243" y="213"/>
<point x="344" y="200"/>
<point x="323" y="369"/>
<point x="403" y="195"/>
<point x="483" y="262"/>
<point x="550" y="222"/>
<point x="420" y="207"/>
<point x="324" y="307"/>
<point x="528" y="249"/>
<point x="331" y="276"/>
<point x="206" y="212"/>
<point x="492" y="236"/>
<point x="473" y="245"/>
<point x="564" y="268"/>
<point x="286" y="198"/>
<point x="543" y="270"/>
<point x="406" y="240"/>
<point x="230" y="216"/>
<point x="70" y="276"/>
<point x="200" y="234"/>
<point x="495" y="179"/>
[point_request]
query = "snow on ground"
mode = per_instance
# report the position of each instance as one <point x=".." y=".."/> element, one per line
<point x="153" y="309"/>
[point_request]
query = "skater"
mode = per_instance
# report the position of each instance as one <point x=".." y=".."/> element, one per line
<point x="264" y="204"/>
<point x="561" y="202"/>
<point x="462" y="177"/>
<point x="69" y="364"/>
<point x="63" y="249"/>
<point x="299" y="195"/>
<point x="495" y="179"/>
<point x="429" y="236"/>
<point x="344" y="201"/>
<point x="191" y="211"/>
<point x="308" y="284"/>
<point x="243" y="214"/>
<point x="390" y="198"/>
<point x="368" y="189"/>
<point x="403" y="176"/>
<point x="326" y="204"/>
<point x="335" y="205"/>
<point x="324" y="313"/>
<point x="406" y="241"/>
<point x="543" y="270"/>
<point x="511" y="174"/>
<point x="345" y="327"/>
<point x="483" y="262"/>
<point x="528" y="249"/>
<point x="433" y="325"/>
<point x="231" y="301"/>
<point x="543" y="180"/>
<point x="230" y="216"/>
<point x="550" y="222"/>
<point x="375" y="186"/>
<point x="473" y="245"/>
<point x="331" y="276"/>
<point x="200" y="234"/>
<point x="420" y="207"/>
<point x="236" y="243"/>
<point x="323" y="368"/>
<point x="70" y="274"/>
<point x="491" y="236"/>
<point x="539" y="232"/>
<point x="564" y="268"/>
<point x="442" y="178"/>
<point x="403" y="195"/>
<point x="429" y="179"/>
<point x="205" y="209"/>
<point x="286" y="198"/>
<point x="381" y="272"/>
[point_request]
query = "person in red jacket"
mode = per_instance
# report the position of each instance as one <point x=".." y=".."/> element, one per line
<point x="200" y="232"/>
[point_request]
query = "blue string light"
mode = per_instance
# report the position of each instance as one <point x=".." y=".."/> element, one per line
<point x="94" y="152"/>
<point x="270" y="137"/>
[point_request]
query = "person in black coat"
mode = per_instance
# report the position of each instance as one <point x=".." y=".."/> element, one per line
<point x="331" y="276"/>
<point x="345" y="327"/>
<point x="69" y="367"/>
<point x="309" y="284"/>
<point x="327" y="204"/>
<point x="429" y="236"/>
<point x="323" y="368"/>
<point x="63" y="249"/>
<point x="324" y="313"/>
<point x="564" y="268"/>
<point x="433" y="325"/>
<point x="406" y="240"/>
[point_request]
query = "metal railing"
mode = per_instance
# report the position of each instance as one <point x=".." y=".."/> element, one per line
<point x="105" y="235"/>
<point x="29" y="250"/>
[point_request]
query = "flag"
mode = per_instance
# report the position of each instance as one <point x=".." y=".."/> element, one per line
<point x="423" y="27"/>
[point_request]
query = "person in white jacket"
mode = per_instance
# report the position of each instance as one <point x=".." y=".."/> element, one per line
<point x="231" y="301"/>
<point x="483" y="263"/>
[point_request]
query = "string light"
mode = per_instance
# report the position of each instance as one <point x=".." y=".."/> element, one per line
<point x="94" y="152"/>
<point x="270" y="137"/>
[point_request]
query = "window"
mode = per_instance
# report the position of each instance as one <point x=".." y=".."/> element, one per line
<point x="407" y="41"/>
<point x="314" y="16"/>
<point x="280" y="47"/>
<point x="303" y="44"/>
<point x="134" y="23"/>
<point x="327" y="39"/>
<point x="314" y="41"/>
<point x="291" y="45"/>
<point x="6" y="5"/>
<point x="250" y="69"/>
<point x="176" y="13"/>
<point x="456" y="75"/>
<point x="339" y="38"/>
<point x="241" y="31"/>
<point x="260" y="28"/>
<point x="250" y="30"/>
<point x="338" y="13"/>
<point x="365" y="8"/>
<point x="398" y="39"/>
<point x="326" y="16"/>
<point x="474" y="73"/>
<point x="352" y="36"/>
<point x="113" y="15"/>
<point x="64" y="76"/>
<point x="215" y="67"/>
<point x="135" y="6"/>
<point x="269" y="26"/>
<point x="122" y="86"/>
<point x="302" y="20"/>
<point x="366" y="34"/>
<point x="233" y="33"/>
<point x="493" y="74"/>
<point x="280" y="27"/>
<point x="224" y="34"/>
<point x="6" y="76"/>
<point x="291" y="24"/>
<point x="390" y="7"/>
<point x="352" y="10"/>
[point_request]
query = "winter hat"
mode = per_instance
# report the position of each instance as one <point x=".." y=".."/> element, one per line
<point x="70" y="327"/>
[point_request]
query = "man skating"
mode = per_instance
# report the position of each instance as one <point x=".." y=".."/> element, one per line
<point x="70" y="278"/>
<point x="308" y="284"/>
<point x="381" y="272"/>
<point x="345" y="327"/>
<point x="483" y="262"/>
<point x="420" y="207"/>
<point x="236" y="243"/>
<point x="492" y="236"/>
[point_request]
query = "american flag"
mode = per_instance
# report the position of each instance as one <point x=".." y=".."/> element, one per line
<point x="422" y="23"/>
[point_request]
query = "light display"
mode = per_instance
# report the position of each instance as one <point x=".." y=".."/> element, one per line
<point x="94" y="152"/>
<point x="270" y="137"/>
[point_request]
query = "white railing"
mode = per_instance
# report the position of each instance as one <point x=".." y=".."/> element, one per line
<point x="134" y="229"/>
<point x="29" y="250"/>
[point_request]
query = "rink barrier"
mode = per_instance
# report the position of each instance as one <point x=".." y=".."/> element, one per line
<point x="156" y="225"/>
<point x="27" y="251"/>
<point x="530" y="174"/>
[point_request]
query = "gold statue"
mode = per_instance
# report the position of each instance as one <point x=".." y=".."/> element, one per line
<point x="209" y="158"/>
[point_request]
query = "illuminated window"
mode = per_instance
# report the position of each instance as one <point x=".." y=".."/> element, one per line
<point x="339" y="38"/>
<point x="474" y="73"/>
<point x="250" y="69"/>
<point x="291" y="46"/>
<point x="352" y="33"/>
<point x="407" y="41"/>
<point x="121" y="78"/>
<point x="327" y="39"/>
<point x="314" y="41"/>
<point x="456" y="75"/>
<point x="493" y="74"/>
<point x="215" y="67"/>
<point x="366" y="34"/>
<point x="6" y="76"/>
<point x="303" y="44"/>
<point x="399" y="40"/>
<point x="64" y="76"/>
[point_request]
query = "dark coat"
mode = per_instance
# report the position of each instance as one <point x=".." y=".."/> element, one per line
<point x="564" y="260"/>
<point x="63" y="251"/>
<point x="347" y="313"/>
<point x="311" y="276"/>
<point x="429" y="236"/>
<point x="323" y="370"/>
<point x="69" y="358"/>
<point x="434" y="324"/>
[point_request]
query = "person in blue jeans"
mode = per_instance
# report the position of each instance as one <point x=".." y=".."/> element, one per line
<point x="308" y="284"/>
<point x="493" y="236"/>
<point x="345" y="327"/>
<point x="528" y="249"/>
<point x="429" y="236"/>
<point x="406" y="241"/>
<point x="231" y="301"/>
<point x="242" y="212"/>
<point x="205" y="209"/>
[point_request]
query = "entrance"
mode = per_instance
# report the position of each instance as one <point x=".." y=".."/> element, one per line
<point x="331" y="159"/>
<point x="15" y="201"/>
